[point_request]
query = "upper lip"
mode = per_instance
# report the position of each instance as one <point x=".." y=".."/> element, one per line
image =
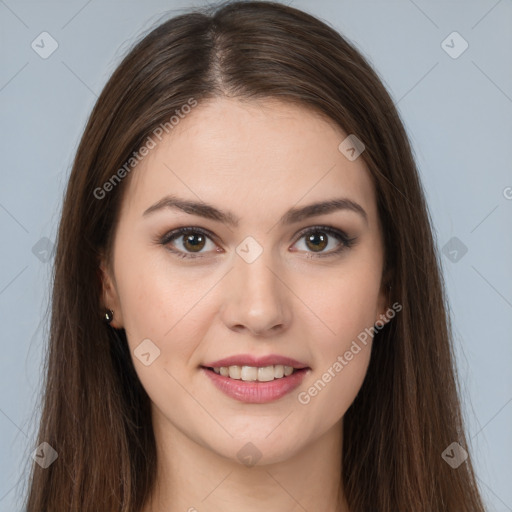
<point x="250" y="360"/>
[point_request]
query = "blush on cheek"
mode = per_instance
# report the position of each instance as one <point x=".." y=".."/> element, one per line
<point x="352" y="323"/>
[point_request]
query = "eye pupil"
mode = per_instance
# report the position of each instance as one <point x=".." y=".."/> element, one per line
<point x="195" y="246"/>
<point x="317" y="236"/>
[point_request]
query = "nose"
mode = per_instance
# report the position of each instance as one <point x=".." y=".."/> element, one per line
<point x="256" y="299"/>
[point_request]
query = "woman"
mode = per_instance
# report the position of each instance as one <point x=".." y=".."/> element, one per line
<point x="248" y="311"/>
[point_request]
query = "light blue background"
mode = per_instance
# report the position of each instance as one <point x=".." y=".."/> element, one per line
<point x="457" y="112"/>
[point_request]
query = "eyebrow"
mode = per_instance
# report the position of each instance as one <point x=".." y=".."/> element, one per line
<point x="293" y="215"/>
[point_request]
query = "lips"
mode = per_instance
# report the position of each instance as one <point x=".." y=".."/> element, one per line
<point x="256" y="392"/>
<point x="236" y="376"/>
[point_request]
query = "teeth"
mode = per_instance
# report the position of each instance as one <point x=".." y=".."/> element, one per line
<point x="234" y="372"/>
<point x="266" y="374"/>
<point x="253" y="373"/>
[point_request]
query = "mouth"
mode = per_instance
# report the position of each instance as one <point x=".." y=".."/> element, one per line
<point x="255" y="373"/>
<point x="255" y="385"/>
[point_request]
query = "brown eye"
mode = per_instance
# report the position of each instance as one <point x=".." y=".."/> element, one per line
<point x="317" y="241"/>
<point x="188" y="242"/>
<point x="194" y="242"/>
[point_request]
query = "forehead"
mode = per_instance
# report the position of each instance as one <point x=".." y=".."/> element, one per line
<point x="257" y="157"/>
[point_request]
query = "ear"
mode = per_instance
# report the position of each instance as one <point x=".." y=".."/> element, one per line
<point x="109" y="295"/>
<point x="384" y="299"/>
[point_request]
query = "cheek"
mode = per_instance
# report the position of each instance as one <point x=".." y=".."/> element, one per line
<point x="344" y="309"/>
<point x="160" y="306"/>
<point x="167" y="305"/>
<point x="342" y="352"/>
<point x="154" y="301"/>
<point x="327" y="396"/>
<point x="343" y="306"/>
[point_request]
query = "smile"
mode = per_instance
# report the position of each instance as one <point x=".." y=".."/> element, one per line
<point x="255" y="373"/>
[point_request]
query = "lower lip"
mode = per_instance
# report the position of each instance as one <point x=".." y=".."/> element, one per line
<point x="255" y="392"/>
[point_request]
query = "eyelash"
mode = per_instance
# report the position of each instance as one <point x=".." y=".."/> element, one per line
<point x="346" y="242"/>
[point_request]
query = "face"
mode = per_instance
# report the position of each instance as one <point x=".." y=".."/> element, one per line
<point x="258" y="279"/>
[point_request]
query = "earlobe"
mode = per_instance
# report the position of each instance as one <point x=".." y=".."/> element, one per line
<point x="110" y="311"/>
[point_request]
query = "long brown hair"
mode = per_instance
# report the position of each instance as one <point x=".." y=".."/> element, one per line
<point x="95" y="412"/>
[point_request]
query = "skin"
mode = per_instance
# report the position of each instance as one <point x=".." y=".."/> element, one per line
<point x="257" y="160"/>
